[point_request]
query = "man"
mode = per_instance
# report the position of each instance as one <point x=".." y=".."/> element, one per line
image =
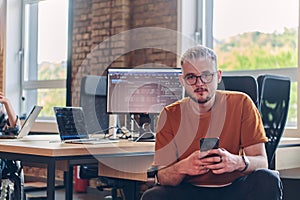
<point x="238" y="168"/>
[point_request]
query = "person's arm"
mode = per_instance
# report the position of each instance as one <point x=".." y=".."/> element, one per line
<point x="12" y="117"/>
<point x="170" y="175"/>
<point x="255" y="155"/>
<point x="192" y="165"/>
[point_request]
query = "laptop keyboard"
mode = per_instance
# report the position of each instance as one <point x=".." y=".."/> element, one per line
<point x="91" y="141"/>
<point x="72" y="127"/>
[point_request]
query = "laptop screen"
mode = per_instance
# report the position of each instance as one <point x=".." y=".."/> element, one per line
<point x="71" y="123"/>
<point x="26" y="127"/>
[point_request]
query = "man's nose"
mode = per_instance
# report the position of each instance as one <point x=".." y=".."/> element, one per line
<point x="199" y="81"/>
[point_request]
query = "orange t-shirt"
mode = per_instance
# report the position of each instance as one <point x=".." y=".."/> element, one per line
<point x="234" y="119"/>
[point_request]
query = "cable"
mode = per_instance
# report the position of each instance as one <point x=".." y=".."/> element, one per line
<point x="141" y="136"/>
<point x="103" y="130"/>
<point x="136" y="123"/>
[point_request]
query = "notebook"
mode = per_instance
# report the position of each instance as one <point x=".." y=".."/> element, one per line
<point x="27" y="125"/>
<point x="72" y="127"/>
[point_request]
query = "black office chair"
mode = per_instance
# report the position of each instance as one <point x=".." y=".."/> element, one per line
<point x="246" y="84"/>
<point x="273" y="105"/>
<point x="93" y="103"/>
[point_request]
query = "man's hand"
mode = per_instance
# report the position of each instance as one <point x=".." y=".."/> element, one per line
<point x="223" y="162"/>
<point x="193" y="165"/>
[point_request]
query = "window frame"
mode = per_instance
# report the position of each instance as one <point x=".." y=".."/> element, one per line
<point x="33" y="84"/>
<point x="206" y="26"/>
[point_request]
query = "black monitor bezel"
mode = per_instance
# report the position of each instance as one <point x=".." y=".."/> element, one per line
<point x="126" y="68"/>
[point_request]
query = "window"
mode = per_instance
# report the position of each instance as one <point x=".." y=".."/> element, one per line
<point x="44" y="69"/>
<point x="256" y="37"/>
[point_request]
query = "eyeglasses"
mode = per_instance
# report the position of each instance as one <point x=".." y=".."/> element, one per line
<point x="205" y="78"/>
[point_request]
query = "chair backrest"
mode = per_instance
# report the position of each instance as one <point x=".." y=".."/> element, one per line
<point x="246" y="84"/>
<point x="93" y="103"/>
<point x="273" y="106"/>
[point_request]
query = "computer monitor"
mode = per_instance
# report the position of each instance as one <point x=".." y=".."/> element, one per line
<point x="137" y="90"/>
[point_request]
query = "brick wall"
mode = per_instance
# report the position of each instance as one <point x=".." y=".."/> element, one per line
<point x="2" y="43"/>
<point x="116" y="33"/>
<point x="1" y="69"/>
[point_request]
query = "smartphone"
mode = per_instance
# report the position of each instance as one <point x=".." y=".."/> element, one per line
<point x="208" y="144"/>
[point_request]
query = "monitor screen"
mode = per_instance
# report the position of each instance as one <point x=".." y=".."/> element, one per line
<point x="137" y="90"/>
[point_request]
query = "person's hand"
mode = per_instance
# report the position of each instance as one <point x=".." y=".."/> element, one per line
<point x="3" y="98"/>
<point x="193" y="165"/>
<point x="210" y="158"/>
<point x="12" y="117"/>
<point x="223" y="162"/>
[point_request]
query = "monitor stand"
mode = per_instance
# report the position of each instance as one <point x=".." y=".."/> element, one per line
<point x="145" y="132"/>
<point x="115" y="124"/>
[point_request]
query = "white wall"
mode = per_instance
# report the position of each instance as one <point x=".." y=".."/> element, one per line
<point x="13" y="45"/>
<point x="188" y="24"/>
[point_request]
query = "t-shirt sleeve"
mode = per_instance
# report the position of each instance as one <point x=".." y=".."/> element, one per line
<point x="253" y="131"/>
<point x="165" y="147"/>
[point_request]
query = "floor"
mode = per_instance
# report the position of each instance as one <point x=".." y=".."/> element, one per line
<point x="290" y="191"/>
<point x="91" y="194"/>
<point x="37" y="191"/>
<point x="290" y="188"/>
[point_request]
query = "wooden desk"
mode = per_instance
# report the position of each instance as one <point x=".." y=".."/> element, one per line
<point x="289" y="142"/>
<point x="64" y="156"/>
<point x="287" y="153"/>
<point x="132" y="169"/>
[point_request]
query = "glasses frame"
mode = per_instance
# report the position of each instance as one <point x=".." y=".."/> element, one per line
<point x="201" y="77"/>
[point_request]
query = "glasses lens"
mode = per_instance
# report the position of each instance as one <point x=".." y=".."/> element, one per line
<point x="190" y="79"/>
<point x="206" y="78"/>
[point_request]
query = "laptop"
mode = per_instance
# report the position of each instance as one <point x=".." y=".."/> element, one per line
<point x="72" y="127"/>
<point x="27" y="125"/>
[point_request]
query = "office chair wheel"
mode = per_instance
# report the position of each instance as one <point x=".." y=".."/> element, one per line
<point x="7" y="188"/>
<point x="12" y="180"/>
<point x="11" y="189"/>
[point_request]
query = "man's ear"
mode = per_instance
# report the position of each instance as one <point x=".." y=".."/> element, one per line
<point x="219" y="76"/>
<point x="181" y="80"/>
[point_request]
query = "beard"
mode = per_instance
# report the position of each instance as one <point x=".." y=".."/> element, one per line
<point x="200" y="101"/>
<point x="197" y="100"/>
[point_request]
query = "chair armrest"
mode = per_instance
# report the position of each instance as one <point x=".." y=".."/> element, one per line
<point x="152" y="176"/>
<point x="88" y="171"/>
<point x="152" y="172"/>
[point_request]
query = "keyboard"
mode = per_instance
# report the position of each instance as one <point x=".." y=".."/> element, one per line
<point x="91" y="141"/>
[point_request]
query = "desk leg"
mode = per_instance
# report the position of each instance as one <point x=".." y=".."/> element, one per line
<point x="51" y="180"/>
<point x="131" y="189"/>
<point x="69" y="184"/>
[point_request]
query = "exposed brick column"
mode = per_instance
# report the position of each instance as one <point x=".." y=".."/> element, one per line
<point x="2" y="80"/>
<point x="95" y="21"/>
<point x="2" y="44"/>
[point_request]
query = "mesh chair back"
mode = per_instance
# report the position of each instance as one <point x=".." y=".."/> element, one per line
<point x="93" y="102"/>
<point x="246" y="84"/>
<point x="273" y="106"/>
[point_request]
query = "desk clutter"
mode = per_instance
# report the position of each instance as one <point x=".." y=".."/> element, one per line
<point x="72" y="128"/>
<point x="131" y="92"/>
<point x="143" y="136"/>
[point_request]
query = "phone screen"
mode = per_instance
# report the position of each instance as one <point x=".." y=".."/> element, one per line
<point x="209" y="143"/>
